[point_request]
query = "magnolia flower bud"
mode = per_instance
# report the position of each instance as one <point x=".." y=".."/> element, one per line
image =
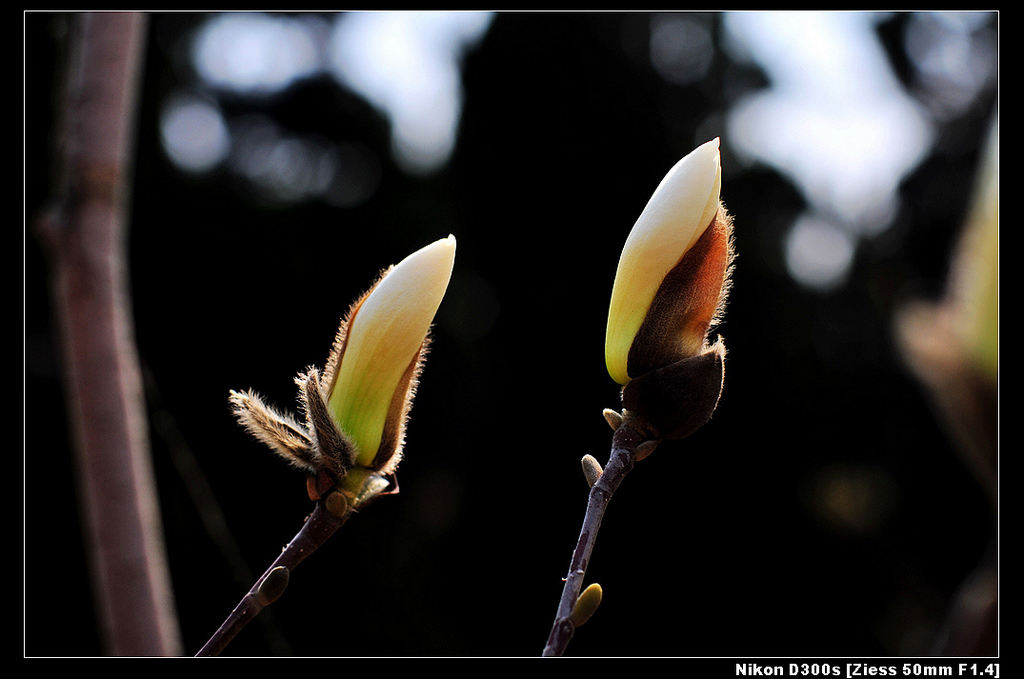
<point x="372" y="373"/>
<point x="355" y="411"/>
<point x="670" y="246"/>
<point x="669" y="288"/>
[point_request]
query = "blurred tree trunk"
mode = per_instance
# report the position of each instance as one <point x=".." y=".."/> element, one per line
<point x="85" y="235"/>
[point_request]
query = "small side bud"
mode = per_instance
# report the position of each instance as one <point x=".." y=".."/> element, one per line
<point x="360" y="486"/>
<point x="273" y="585"/>
<point x="586" y="604"/>
<point x="318" y="484"/>
<point x="645" y="449"/>
<point x="591" y="469"/>
<point x="336" y="504"/>
<point x="613" y="418"/>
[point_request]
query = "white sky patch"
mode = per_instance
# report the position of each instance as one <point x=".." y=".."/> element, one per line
<point x="256" y="53"/>
<point x="407" y="64"/>
<point x="835" y="120"/>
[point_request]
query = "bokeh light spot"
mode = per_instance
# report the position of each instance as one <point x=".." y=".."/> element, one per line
<point x="193" y="133"/>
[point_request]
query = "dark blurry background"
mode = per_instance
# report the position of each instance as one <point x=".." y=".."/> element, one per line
<point x="282" y="160"/>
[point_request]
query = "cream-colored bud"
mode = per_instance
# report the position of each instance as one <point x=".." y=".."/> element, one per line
<point x="373" y="373"/>
<point x="679" y="212"/>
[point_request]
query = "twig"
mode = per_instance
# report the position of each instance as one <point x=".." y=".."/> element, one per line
<point x="620" y="462"/>
<point x="320" y="525"/>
